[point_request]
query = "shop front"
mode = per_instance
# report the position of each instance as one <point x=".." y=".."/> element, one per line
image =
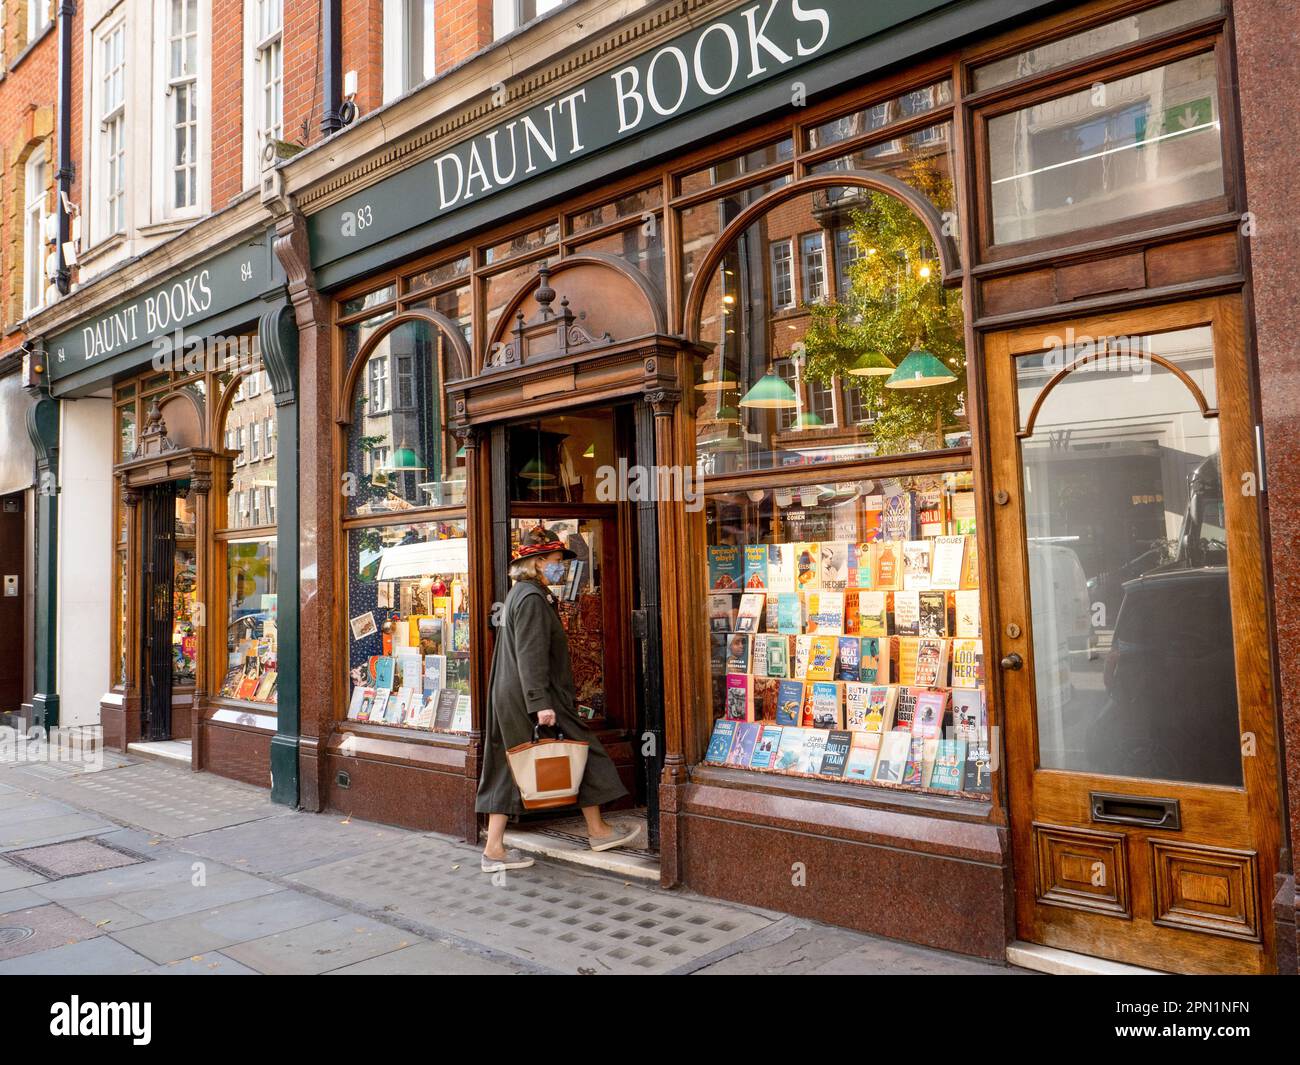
<point x="898" y="436"/>
<point x="185" y="385"/>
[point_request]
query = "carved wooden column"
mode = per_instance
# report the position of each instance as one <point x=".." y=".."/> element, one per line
<point x="200" y="488"/>
<point x="321" y="672"/>
<point x="478" y="527"/>
<point x="129" y="728"/>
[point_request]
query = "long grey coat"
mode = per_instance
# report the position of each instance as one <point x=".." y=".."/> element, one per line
<point x="531" y="671"/>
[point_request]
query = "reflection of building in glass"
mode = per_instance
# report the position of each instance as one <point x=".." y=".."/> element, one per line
<point x="250" y="430"/>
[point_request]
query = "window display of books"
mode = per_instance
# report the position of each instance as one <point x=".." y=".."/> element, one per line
<point x="414" y="690"/>
<point x="854" y="659"/>
<point x="252" y="672"/>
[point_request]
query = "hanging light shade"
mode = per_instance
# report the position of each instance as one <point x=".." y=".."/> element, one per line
<point x="536" y="471"/>
<point x="770" y="393"/>
<point x="872" y="364"/>
<point x="808" y="420"/>
<point x="723" y="380"/>
<point x="728" y="413"/>
<point x="920" y="369"/>
<point x="405" y="459"/>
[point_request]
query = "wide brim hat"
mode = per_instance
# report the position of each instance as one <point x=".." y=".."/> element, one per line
<point x="540" y="541"/>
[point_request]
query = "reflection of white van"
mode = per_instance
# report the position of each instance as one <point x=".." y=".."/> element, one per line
<point x="1061" y="616"/>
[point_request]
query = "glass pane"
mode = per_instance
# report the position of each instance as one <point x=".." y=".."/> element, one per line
<point x="1128" y="569"/>
<point x="456" y="304"/>
<point x="370" y="299"/>
<point x="251" y="612"/>
<point x="642" y="246"/>
<point x="1124" y="148"/>
<point x="580" y="603"/>
<point x="781" y="151"/>
<point x="125" y="432"/>
<point x="399" y="454"/>
<point x="522" y="243"/>
<point x="1138" y="26"/>
<point x="560" y="459"/>
<point x="438" y="275"/>
<point x="632" y="205"/>
<point x="835" y="291"/>
<point x="701" y="224"/>
<point x="253" y="478"/>
<point x="120" y="589"/>
<point x="844" y="632"/>
<point x="408" y="622"/>
<point x="877" y="116"/>
<point x="185" y="594"/>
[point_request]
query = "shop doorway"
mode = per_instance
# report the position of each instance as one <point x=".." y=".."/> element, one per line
<point x="561" y="472"/>
<point x="13" y="596"/>
<point x="1135" y="675"/>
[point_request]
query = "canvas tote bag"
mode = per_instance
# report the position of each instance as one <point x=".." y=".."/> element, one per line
<point x="548" y="772"/>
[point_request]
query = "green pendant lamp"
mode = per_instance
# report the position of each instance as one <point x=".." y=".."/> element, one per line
<point x="405" y="460"/>
<point x="770" y="393"/>
<point x="872" y="364"/>
<point x="536" y="471"/>
<point x="807" y="420"/>
<point x="921" y="369"/>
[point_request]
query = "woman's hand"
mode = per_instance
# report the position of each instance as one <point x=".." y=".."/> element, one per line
<point x="546" y="717"/>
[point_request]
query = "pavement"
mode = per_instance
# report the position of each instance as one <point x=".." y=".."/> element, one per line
<point x="142" y="867"/>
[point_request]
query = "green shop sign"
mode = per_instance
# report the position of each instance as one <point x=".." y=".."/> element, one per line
<point x="160" y="317"/>
<point x="741" y="48"/>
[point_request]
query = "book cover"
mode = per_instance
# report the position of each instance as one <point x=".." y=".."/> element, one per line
<point x="968" y="613"/>
<point x="931" y="663"/>
<point x="722" y="612"/>
<point x="874" y="659"/>
<point x="354" y="705"/>
<point x="408" y="671"/>
<point x="933" y="614"/>
<point x="379" y="705"/>
<point x="850" y="658"/>
<point x="967" y="663"/>
<point x="265" y="687"/>
<point x="367" y="702"/>
<point x="758" y="654"/>
<point x="742" y="747"/>
<point x="790" y="755"/>
<point x="385" y="671"/>
<point x="898" y="517"/>
<point x="822" y="653"/>
<point x="814" y="749"/>
<point x="961" y="513"/>
<point x="872" y="507"/>
<point x="247" y="687"/>
<point x="949" y="765"/>
<point x="836" y="754"/>
<point x="399" y="703"/>
<point x="886" y="567"/>
<point x="789" y="613"/>
<point x="435" y="673"/>
<point x="724" y="732"/>
<point x="857" y="705"/>
<point x="428" y="634"/>
<point x="860" y="565"/>
<point x="916" y="565"/>
<point x="725" y="567"/>
<point x="969" y="717"/>
<point x="826" y="711"/>
<point x="778" y="655"/>
<point x="977" y="772"/>
<point x="789" y="702"/>
<point x="460" y="632"/>
<point x="970" y="567"/>
<point x="946" y="562"/>
<point x="719" y="643"/>
<point x="873" y="614"/>
<point x="807" y="575"/>
<point x="802" y="652"/>
<point x="230" y="685"/>
<point x="928" y="716"/>
<point x="424" y="717"/>
<point x="738" y="645"/>
<point x="767" y="691"/>
<point x="771" y="614"/>
<point x="904" y="708"/>
<point x="861" y="764"/>
<point x="826" y="613"/>
<point x="781" y="569"/>
<point x="756" y="567"/>
<point x="766" y="747"/>
<point x="914" y="770"/>
<point x="740" y="697"/>
<point x="750" y="614"/>
<point x="930" y="508"/>
<point x="445" y="710"/>
<point x="891" y="763"/>
<point x="907" y="613"/>
<point x="835" y="565"/>
<point x="882" y="700"/>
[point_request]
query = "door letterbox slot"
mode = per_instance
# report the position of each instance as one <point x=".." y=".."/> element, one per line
<point x="1135" y="810"/>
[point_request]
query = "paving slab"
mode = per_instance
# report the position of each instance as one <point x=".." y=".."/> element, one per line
<point x="211" y="963"/>
<point x="30" y="808"/>
<point x="162" y="799"/>
<point x="20" y="899"/>
<point x="293" y="842"/>
<point x="315" y="948"/>
<point x="428" y="959"/>
<point x="54" y="829"/>
<point x="216" y="929"/>
<point x="101" y="956"/>
<point x="556" y="917"/>
<point x="16" y="876"/>
<point x="71" y="858"/>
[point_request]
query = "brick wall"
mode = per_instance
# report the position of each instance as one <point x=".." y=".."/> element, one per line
<point x="228" y="102"/>
<point x="461" y="28"/>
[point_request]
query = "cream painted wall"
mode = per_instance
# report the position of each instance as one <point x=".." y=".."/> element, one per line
<point x="85" y="580"/>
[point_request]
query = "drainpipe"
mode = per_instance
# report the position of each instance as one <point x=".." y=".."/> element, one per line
<point x="332" y="64"/>
<point x="63" y="119"/>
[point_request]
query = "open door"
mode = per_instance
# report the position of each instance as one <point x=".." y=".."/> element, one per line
<point x="1133" y="638"/>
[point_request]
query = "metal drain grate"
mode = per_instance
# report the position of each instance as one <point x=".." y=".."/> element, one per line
<point x="11" y="934"/>
<point x="574" y="830"/>
<point x="75" y="857"/>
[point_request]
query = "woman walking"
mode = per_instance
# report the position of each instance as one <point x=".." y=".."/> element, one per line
<point x="531" y="684"/>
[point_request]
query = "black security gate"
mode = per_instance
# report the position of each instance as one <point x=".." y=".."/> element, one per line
<point x="158" y="550"/>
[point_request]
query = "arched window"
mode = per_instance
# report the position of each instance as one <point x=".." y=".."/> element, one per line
<point x="246" y="535"/>
<point x="407" y="580"/>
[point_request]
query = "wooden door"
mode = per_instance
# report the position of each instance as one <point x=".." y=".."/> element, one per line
<point x="158" y="552"/>
<point x="1132" y="637"/>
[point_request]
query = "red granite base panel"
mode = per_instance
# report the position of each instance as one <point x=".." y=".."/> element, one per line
<point x="237" y="753"/>
<point x="395" y="794"/>
<point x="937" y="894"/>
